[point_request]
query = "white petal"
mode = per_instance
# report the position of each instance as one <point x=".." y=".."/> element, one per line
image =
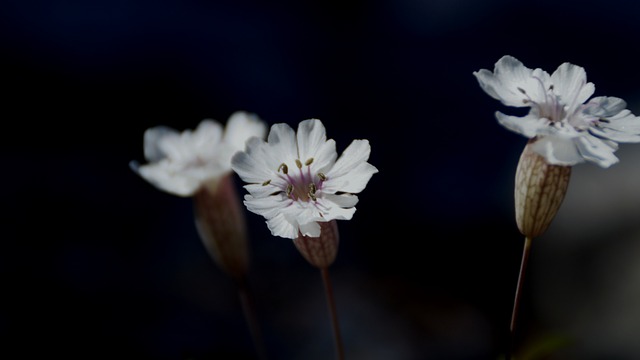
<point x="282" y="227"/>
<point x="204" y="173"/>
<point x="177" y="147"/>
<point x="266" y="206"/>
<point x="558" y="150"/>
<point x="341" y="213"/>
<point x="304" y="212"/>
<point x="612" y="134"/>
<point x="352" y="181"/>
<point x="264" y="154"/>
<point x="325" y="157"/>
<point x="513" y="83"/>
<point x="282" y="143"/>
<point x="622" y="127"/>
<point x="240" y="127"/>
<point x="356" y="153"/>
<point x="206" y="145"/>
<point x="161" y="177"/>
<point x="311" y="137"/>
<point x="306" y="215"/>
<point x="334" y="211"/>
<point x="351" y="172"/>
<point x="152" y="138"/>
<point x="342" y="200"/>
<point x="624" y="121"/>
<point x="248" y="165"/>
<point x="529" y="125"/>
<point x="570" y="83"/>
<point x="207" y="135"/>
<point x="595" y="150"/>
<point x="311" y="229"/>
<point x="135" y="166"/>
<point x="257" y="164"/>
<point x="604" y="106"/>
<point x="260" y="191"/>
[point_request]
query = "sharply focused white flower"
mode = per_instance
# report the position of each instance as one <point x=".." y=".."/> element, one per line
<point x="295" y="181"/>
<point x="181" y="163"/>
<point x="565" y="129"/>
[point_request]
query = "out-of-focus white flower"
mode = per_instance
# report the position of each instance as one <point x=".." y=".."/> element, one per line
<point x="295" y="181"/>
<point x="565" y="129"/>
<point x="197" y="164"/>
<point x="182" y="163"/>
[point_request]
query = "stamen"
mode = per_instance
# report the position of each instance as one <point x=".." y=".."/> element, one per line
<point x="309" y="161"/>
<point x="284" y="167"/>
<point x="546" y="99"/>
<point x="322" y="176"/>
<point x="528" y="99"/>
<point x="312" y="191"/>
<point x="298" y="164"/>
<point x="289" y="189"/>
<point x="266" y="182"/>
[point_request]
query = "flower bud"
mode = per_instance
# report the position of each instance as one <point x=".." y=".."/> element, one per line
<point x="221" y="224"/>
<point x="539" y="190"/>
<point x="320" y="251"/>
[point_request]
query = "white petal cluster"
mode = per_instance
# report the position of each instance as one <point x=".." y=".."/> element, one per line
<point x="566" y="127"/>
<point x="296" y="180"/>
<point x="181" y="163"/>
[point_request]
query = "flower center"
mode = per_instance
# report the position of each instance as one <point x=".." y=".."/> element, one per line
<point x="300" y="184"/>
<point x="552" y="108"/>
<point x="559" y="111"/>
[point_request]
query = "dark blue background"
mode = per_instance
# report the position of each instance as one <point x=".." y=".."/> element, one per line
<point x="96" y="263"/>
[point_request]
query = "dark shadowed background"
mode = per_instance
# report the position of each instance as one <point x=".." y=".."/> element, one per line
<point x="96" y="263"/>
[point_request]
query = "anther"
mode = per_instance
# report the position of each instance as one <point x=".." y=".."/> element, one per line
<point x="289" y="189"/>
<point x="312" y="191"/>
<point x="322" y="176"/>
<point x="284" y="167"/>
<point x="298" y="164"/>
<point x="309" y="161"/>
<point x="266" y="182"/>
<point x="521" y="90"/>
<point x="551" y="87"/>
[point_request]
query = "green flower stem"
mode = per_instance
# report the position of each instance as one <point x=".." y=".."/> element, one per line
<point x="332" y="310"/>
<point x="518" y="294"/>
<point x="248" y="309"/>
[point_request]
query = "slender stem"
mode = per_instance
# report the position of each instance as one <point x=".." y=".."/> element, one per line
<point x="332" y="310"/>
<point x="252" y="320"/>
<point x="518" y="295"/>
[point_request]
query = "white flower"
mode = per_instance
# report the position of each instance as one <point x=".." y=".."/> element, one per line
<point x="564" y="128"/>
<point x="181" y="163"/>
<point x="295" y="181"/>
